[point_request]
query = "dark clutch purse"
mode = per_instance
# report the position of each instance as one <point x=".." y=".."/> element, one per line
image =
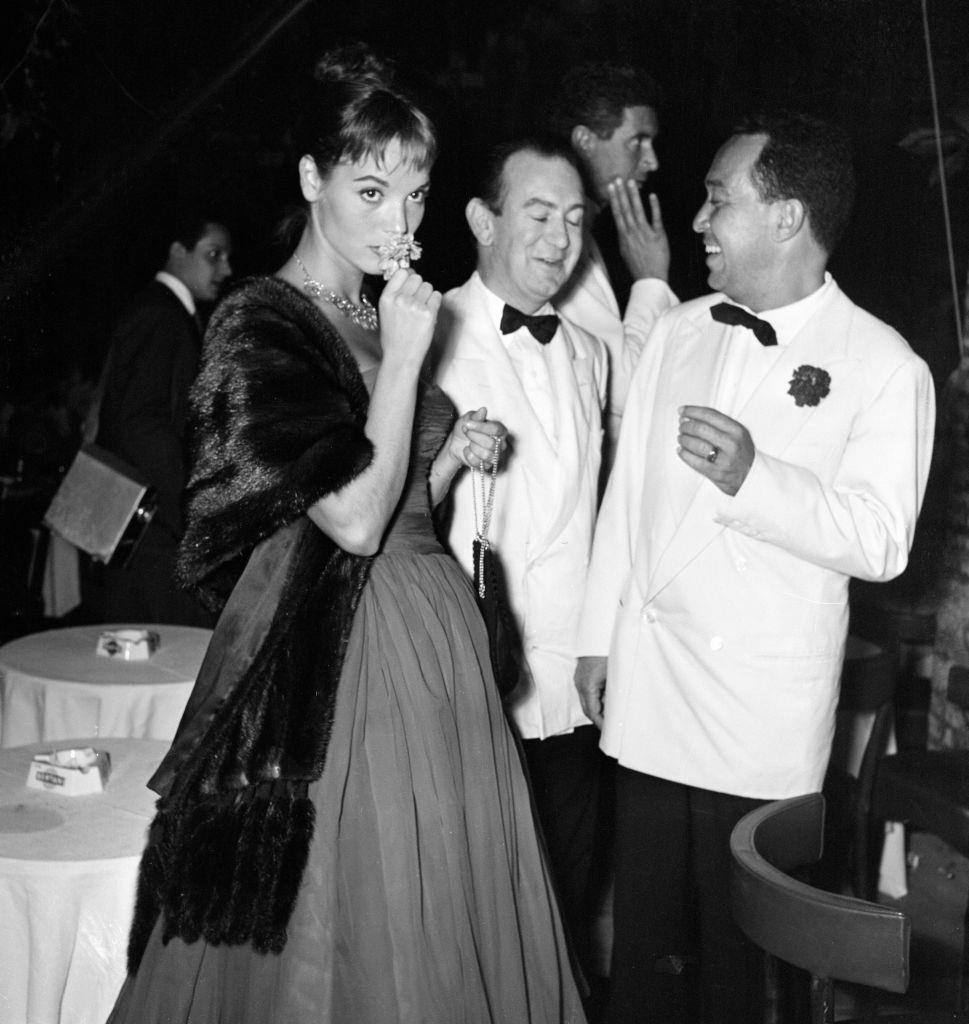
<point x="503" y="640"/>
<point x="504" y="643"/>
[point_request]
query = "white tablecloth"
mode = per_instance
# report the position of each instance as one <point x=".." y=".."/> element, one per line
<point x="53" y="686"/>
<point x="61" y="586"/>
<point x="68" y="867"/>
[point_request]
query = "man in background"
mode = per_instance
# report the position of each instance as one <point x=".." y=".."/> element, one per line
<point x="151" y="363"/>
<point x="607" y="113"/>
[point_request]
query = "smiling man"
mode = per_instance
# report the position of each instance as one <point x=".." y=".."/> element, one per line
<point x="775" y="443"/>
<point x="504" y="349"/>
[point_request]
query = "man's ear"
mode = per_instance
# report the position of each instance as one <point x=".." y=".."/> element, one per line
<point x="481" y="221"/>
<point x="583" y="139"/>
<point x="789" y="218"/>
<point x="176" y="253"/>
<point x="310" y="180"/>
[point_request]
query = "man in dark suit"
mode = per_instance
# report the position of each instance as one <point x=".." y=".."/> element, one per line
<point x="151" y="364"/>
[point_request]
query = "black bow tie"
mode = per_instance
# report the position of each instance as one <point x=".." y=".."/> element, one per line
<point x="542" y="327"/>
<point x="726" y="313"/>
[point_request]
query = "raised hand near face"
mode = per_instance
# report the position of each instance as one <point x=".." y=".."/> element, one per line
<point x="408" y="310"/>
<point x="716" y="446"/>
<point x="642" y="240"/>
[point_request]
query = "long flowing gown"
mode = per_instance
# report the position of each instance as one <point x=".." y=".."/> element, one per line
<point x="426" y="898"/>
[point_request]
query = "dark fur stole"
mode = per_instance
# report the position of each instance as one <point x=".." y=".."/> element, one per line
<point x="278" y="415"/>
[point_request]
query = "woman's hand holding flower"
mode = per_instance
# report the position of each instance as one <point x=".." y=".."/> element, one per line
<point x="408" y="310"/>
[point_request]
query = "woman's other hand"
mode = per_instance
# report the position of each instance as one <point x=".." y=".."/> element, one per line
<point x="470" y="444"/>
<point x="474" y="437"/>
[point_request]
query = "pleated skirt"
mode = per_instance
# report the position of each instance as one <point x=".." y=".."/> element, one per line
<point x="426" y="898"/>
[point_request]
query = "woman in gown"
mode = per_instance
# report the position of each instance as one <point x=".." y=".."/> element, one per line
<point x="344" y="832"/>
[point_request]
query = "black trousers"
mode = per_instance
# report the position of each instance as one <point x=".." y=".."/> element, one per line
<point x="565" y="777"/>
<point x="678" y="957"/>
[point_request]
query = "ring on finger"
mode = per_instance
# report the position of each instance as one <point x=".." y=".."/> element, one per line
<point x="711" y="455"/>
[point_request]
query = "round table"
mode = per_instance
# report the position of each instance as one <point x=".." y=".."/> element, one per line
<point x="53" y="685"/>
<point x="68" y="869"/>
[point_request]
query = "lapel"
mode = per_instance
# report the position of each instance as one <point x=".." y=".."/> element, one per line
<point x="770" y="414"/>
<point x="576" y="397"/>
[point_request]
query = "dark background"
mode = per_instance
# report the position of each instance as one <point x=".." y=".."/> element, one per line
<point x="110" y="111"/>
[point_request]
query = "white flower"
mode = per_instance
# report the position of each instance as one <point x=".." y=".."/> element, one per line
<point x="397" y="253"/>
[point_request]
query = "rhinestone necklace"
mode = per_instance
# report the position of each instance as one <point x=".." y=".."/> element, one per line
<point x="364" y="315"/>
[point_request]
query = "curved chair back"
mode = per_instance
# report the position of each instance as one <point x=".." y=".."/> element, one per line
<point x="833" y="937"/>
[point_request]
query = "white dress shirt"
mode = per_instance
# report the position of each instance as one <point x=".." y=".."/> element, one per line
<point x="748" y="361"/>
<point x="530" y="359"/>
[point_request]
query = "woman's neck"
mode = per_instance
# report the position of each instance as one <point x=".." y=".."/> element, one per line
<point x="310" y="265"/>
<point x="323" y="264"/>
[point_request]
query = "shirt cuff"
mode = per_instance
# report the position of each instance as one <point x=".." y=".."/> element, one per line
<point x="653" y="292"/>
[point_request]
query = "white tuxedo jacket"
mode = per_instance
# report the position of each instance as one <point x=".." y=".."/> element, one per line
<point x="589" y="302"/>
<point x="545" y="498"/>
<point x="725" y="618"/>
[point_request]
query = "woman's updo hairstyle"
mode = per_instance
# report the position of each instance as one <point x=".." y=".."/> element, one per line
<point x="353" y="112"/>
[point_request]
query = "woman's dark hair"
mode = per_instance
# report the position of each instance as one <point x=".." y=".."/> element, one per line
<point x="353" y="112"/>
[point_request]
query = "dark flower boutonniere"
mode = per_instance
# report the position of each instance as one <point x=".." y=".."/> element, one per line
<point x="809" y="385"/>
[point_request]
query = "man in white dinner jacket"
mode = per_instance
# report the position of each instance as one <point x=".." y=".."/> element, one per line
<point x="608" y="114"/>
<point x="752" y="480"/>
<point x="502" y="348"/>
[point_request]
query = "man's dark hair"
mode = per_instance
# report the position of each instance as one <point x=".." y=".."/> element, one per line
<point x="597" y="94"/>
<point x="490" y="188"/>
<point x="808" y="159"/>
<point x="190" y="223"/>
<point x="177" y="220"/>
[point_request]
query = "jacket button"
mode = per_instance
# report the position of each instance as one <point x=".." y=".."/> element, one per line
<point x="649" y="615"/>
<point x="716" y="642"/>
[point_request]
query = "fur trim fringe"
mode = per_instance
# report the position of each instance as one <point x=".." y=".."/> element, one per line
<point x="219" y="855"/>
<point x="279" y="411"/>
